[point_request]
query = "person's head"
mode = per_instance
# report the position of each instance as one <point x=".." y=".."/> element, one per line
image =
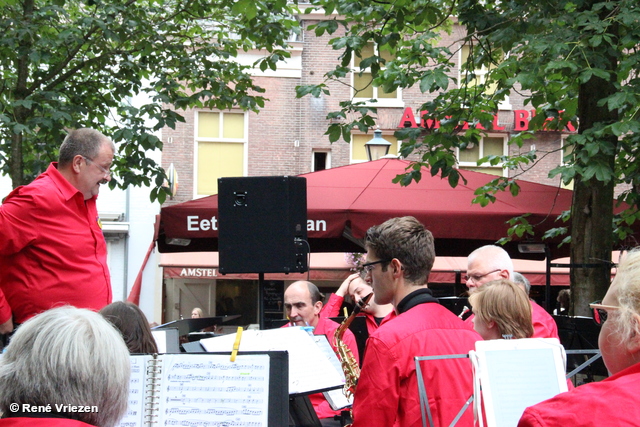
<point x="564" y="298"/>
<point x="487" y="263"/>
<point x="501" y="308"/>
<point x="619" y="339"/>
<point x="132" y="324"/>
<point x="302" y="303"/>
<point x="405" y="252"/>
<point x="67" y="356"/>
<point x="197" y="313"/>
<point x="521" y="281"/>
<point x="85" y="160"/>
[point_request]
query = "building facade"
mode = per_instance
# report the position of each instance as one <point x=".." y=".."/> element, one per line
<point x="287" y="137"/>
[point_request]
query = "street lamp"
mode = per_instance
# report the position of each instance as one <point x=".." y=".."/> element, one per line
<point x="377" y="147"/>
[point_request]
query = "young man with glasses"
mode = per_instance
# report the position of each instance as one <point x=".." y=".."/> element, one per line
<point x="400" y="255"/>
<point x="52" y="250"/>
<point x="613" y="401"/>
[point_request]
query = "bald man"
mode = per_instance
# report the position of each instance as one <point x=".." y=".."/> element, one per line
<point x="303" y="303"/>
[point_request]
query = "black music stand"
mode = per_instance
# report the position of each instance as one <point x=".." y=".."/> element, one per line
<point x="359" y="328"/>
<point x="580" y="333"/>
<point x="185" y="326"/>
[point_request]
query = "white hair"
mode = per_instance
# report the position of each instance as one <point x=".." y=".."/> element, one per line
<point x="68" y="356"/>
<point x="492" y="257"/>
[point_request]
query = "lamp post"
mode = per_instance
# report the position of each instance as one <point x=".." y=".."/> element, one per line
<point x="377" y="147"/>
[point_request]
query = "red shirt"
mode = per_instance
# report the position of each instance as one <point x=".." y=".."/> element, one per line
<point x="543" y="324"/>
<point x="387" y="392"/>
<point x="52" y="250"/>
<point x="610" y="402"/>
<point x="332" y="309"/>
<point x="328" y="328"/>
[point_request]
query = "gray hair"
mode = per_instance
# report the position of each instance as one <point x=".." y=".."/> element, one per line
<point x="493" y="258"/>
<point x="84" y="142"/>
<point x="628" y="281"/>
<point x="519" y="279"/>
<point x="67" y="356"/>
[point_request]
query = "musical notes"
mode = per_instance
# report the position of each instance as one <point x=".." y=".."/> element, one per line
<point x="199" y="390"/>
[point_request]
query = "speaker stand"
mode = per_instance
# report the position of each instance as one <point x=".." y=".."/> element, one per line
<point x="261" y="293"/>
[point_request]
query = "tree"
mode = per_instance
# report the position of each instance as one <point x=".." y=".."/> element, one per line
<point x="71" y="63"/>
<point x="575" y="61"/>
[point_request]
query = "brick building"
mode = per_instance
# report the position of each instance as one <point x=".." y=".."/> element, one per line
<point x="287" y="138"/>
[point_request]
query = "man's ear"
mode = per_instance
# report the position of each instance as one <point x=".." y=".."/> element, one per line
<point x="76" y="163"/>
<point x="396" y="268"/>
<point x="317" y="307"/>
<point x="504" y="274"/>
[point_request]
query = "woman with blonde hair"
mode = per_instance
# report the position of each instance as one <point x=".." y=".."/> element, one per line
<point x="502" y="310"/>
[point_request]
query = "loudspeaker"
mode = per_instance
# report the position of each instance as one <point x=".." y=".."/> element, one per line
<point x="262" y="224"/>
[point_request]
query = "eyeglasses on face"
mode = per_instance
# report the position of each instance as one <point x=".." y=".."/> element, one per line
<point x="105" y="171"/>
<point x="477" y="277"/>
<point x="599" y="311"/>
<point x="367" y="267"/>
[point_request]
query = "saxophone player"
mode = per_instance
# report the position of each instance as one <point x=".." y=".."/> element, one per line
<point x="400" y="255"/>
<point x="303" y="303"/>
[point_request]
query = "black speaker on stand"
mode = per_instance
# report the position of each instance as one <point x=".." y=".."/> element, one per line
<point x="262" y="226"/>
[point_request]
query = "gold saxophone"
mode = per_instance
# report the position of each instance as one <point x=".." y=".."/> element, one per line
<point x="348" y="362"/>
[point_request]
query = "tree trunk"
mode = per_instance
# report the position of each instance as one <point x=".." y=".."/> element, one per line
<point x="592" y="209"/>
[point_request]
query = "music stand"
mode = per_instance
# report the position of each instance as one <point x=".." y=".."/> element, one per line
<point x="359" y="328"/>
<point x="185" y="326"/>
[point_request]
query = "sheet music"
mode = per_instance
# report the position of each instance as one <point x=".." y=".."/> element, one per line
<point x="309" y="369"/>
<point x="211" y="390"/>
<point x="336" y="398"/>
<point x="515" y="374"/>
<point x="135" y="410"/>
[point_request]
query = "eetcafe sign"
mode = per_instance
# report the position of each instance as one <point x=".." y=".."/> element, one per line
<point x="521" y="119"/>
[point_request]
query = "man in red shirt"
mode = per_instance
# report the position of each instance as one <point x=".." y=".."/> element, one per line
<point x="492" y="262"/>
<point x="302" y="303"/>
<point x="400" y="255"/>
<point x="357" y="288"/>
<point x="52" y="250"/>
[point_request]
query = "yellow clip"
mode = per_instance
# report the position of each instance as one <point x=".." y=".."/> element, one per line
<point x="236" y="345"/>
<point x="346" y="313"/>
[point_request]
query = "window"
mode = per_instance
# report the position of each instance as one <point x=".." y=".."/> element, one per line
<point x="364" y="89"/>
<point x="359" y="153"/>
<point x="492" y="145"/>
<point x="480" y="77"/>
<point x="221" y="149"/>
<point x="321" y="161"/>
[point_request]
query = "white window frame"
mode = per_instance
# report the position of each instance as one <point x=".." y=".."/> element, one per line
<point x="320" y="150"/>
<point x="196" y="140"/>
<point x="481" y="74"/>
<point x="381" y="102"/>
<point x="505" y="148"/>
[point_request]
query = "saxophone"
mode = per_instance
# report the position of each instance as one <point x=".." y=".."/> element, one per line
<point x="347" y="361"/>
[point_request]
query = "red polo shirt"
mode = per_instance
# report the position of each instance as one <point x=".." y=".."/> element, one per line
<point x="52" y="250"/>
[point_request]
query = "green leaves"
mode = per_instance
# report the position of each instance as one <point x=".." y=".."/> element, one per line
<point x="70" y="64"/>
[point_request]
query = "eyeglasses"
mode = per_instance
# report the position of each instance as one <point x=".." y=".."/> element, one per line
<point x="370" y="265"/>
<point x="600" y="313"/>
<point x="477" y="277"/>
<point x="106" y="172"/>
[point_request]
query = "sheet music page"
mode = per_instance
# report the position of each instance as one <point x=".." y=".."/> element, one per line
<point x="336" y="398"/>
<point x="514" y="378"/>
<point x="135" y="410"/>
<point x="309" y="369"/>
<point x="210" y="390"/>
